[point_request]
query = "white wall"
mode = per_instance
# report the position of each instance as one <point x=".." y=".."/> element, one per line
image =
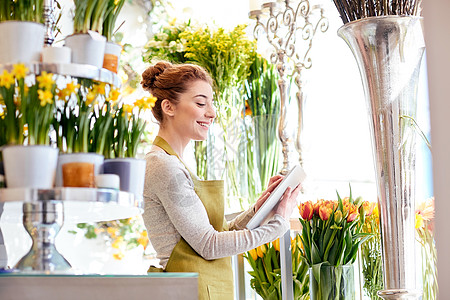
<point x="437" y="23"/>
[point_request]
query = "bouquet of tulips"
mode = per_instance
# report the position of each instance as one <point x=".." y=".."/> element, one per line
<point x="266" y="272"/>
<point x="331" y="236"/>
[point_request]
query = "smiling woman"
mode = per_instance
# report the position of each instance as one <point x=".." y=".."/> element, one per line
<point x="184" y="216"/>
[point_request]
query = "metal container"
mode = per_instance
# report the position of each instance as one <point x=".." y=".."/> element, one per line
<point x="389" y="50"/>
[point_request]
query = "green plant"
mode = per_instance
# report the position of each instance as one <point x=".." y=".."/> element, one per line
<point x="167" y="44"/>
<point x="89" y="15"/>
<point x="112" y="12"/>
<point x="266" y="271"/>
<point x="22" y="10"/>
<point x="372" y="264"/>
<point x="27" y="106"/>
<point x="129" y="125"/>
<point x="262" y="113"/>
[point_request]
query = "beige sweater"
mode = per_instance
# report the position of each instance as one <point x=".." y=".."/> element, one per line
<point x="173" y="210"/>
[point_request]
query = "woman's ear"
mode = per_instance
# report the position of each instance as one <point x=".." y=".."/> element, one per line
<point x="168" y="108"/>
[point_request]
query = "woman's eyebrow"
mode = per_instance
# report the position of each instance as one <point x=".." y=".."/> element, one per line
<point x="201" y="95"/>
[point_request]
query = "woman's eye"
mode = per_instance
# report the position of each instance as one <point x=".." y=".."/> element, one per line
<point x="201" y="104"/>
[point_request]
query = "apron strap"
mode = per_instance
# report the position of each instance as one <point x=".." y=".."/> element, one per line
<point x="161" y="143"/>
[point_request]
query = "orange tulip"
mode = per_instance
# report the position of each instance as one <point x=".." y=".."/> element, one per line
<point x="325" y="212"/>
<point x="316" y="207"/>
<point x="306" y="210"/>
<point x="368" y="207"/>
<point x="352" y="214"/>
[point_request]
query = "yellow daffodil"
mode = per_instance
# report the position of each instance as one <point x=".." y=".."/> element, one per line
<point x="113" y="95"/>
<point x="46" y="97"/>
<point x="19" y="71"/>
<point x="25" y="129"/>
<point x="99" y="88"/>
<point x="45" y="80"/>
<point x="72" y="87"/>
<point x="6" y="79"/>
<point x="2" y="114"/>
<point x="152" y="100"/>
<point x="90" y="97"/>
<point x="128" y="109"/>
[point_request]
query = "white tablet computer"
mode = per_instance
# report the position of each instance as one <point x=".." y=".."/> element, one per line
<point x="295" y="176"/>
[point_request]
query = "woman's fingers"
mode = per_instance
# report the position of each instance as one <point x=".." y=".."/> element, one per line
<point x="261" y="200"/>
<point x="274" y="184"/>
<point x="274" y="178"/>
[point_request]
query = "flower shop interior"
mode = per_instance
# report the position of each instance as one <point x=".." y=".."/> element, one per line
<point x="354" y="92"/>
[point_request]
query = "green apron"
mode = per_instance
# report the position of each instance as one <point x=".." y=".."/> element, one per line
<point x="215" y="277"/>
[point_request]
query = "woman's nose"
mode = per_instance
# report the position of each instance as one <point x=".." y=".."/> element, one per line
<point x="211" y="111"/>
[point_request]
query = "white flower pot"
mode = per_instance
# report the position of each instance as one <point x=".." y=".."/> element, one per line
<point x="87" y="48"/>
<point x="93" y="158"/>
<point x="53" y="55"/>
<point x="30" y="166"/>
<point x="131" y="172"/>
<point x="112" y="56"/>
<point x="21" y="41"/>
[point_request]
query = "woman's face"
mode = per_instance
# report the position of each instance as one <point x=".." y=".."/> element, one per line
<point x="195" y="112"/>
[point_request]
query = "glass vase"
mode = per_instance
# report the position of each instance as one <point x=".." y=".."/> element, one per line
<point x="263" y="152"/>
<point x="388" y="51"/>
<point x="332" y="282"/>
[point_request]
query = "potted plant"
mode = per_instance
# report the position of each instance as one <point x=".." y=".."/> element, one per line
<point x="22" y="30"/>
<point x="129" y="124"/>
<point x="28" y="107"/>
<point x="74" y="121"/>
<point x="331" y="235"/>
<point x="87" y="43"/>
<point x="112" y="50"/>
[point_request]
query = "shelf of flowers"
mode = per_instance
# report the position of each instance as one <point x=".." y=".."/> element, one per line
<point x="71" y="69"/>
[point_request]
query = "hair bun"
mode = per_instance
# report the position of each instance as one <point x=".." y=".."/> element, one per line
<point x="150" y="75"/>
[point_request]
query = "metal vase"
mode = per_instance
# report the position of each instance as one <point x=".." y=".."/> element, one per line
<point x="389" y="50"/>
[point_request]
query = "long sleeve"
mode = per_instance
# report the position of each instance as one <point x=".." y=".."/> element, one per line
<point x="173" y="210"/>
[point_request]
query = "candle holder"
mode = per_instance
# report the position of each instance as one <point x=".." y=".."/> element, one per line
<point x="283" y="25"/>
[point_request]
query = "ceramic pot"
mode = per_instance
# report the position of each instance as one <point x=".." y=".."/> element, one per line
<point x="53" y="55"/>
<point x="21" y="41"/>
<point x="87" y="48"/>
<point x="131" y="172"/>
<point x="30" y="166"/>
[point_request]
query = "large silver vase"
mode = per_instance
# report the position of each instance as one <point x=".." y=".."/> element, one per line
<point x="389" y="50"/>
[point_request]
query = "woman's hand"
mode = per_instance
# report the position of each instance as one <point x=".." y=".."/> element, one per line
<point x="273" y="183"/>
<point x="288" y="202"/>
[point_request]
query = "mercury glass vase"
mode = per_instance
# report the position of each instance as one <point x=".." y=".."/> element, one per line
<point x="388" y="51"/>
